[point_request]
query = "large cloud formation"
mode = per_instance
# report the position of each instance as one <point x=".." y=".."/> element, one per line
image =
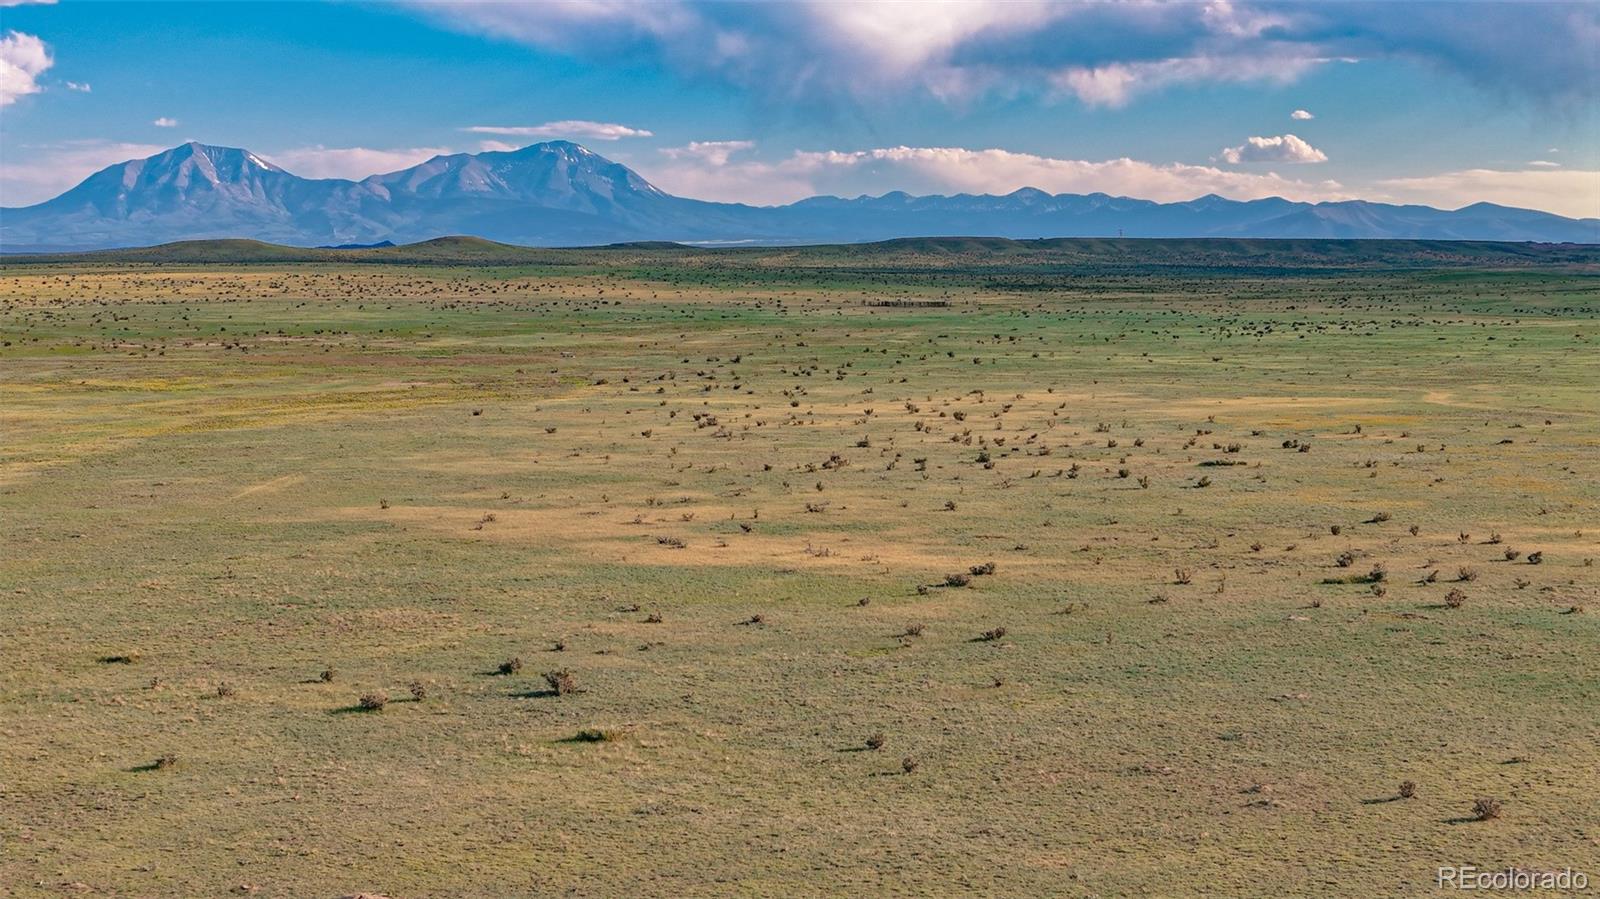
<point x="1103" y="54"/>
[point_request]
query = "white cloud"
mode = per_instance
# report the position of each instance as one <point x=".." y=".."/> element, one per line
<point x="1116" y="84"/>
<point x="23" y="58"/>
<point x="571" y="130"/>
<point x="1301" y="115"/>
<point x="957" y="169"/>
<point x="1566" y="192"/>
<point x="27" y="2"/>
<point x="353" y="163"/>
<point x="1282" y="148"/>
<point x="46" y="170"/>
<point x="1545" y="164"/>
<point x="165" y="122"/>
<point x="706" y="170"/>
<point x="713" y="152"/>
<point x="82" y="88"/>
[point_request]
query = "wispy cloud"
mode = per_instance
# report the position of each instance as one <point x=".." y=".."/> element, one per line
<point x="165" y="122"/>
<point x="23" y="58"/>
<point x="80" y="87"/>
<point x="1301" y="115"/>
<point x="353" y="163"/>
<point x="1117" y="84"/>
<point x="1281" y="148"/>
<point x="712" y="152"/>
<point x="573" y="129"/>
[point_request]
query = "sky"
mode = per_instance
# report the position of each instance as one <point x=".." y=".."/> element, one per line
<point x="1438" y="103"/>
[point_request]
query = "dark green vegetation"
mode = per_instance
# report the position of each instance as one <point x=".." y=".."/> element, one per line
<point x="666" y="572"/>
<point x="978" y="253"/>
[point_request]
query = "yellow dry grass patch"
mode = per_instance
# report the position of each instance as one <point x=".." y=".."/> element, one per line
<point x="272" y="486"/>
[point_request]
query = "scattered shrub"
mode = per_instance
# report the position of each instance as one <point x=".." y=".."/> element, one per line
<point x="373" y="702"/>
<point x="510" y="666"/>
<point x="560" y="682"/>
<point x="1486" y="808"/>
<point x="993" y="634"/>
<point x="600" y="735"/>
<point x="1408" y="789"/>
<point x="877" y="741"/>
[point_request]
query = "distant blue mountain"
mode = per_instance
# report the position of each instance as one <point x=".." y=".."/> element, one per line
<point x="358" y="246"/>
<point x="561" y="194"/>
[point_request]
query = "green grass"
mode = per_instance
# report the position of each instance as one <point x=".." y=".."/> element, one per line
<point x="247" y="474"/>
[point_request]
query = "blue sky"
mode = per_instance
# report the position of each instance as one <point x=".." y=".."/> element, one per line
<point x="1439" y="103"/>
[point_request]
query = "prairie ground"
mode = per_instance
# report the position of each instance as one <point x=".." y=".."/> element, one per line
<point x="1264" y="546"/>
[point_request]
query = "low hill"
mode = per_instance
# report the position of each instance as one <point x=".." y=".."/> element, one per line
<point x="942" y="252"/>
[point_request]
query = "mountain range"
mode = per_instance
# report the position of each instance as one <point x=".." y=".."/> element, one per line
<point x="558" y="193"/>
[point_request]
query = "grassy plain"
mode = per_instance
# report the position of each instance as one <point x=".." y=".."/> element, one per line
<point x="724" y="492"/>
